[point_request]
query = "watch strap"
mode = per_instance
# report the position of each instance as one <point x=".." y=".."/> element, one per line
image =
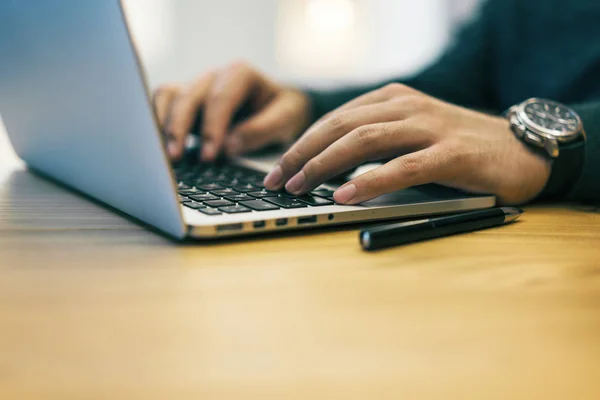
<point x="566" y="168"/>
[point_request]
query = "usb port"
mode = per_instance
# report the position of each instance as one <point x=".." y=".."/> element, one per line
<point x="230" y="227"/>
<point x="259" y="224"/>
<point x="307" y="220"/>
<point x="281" y="222"/>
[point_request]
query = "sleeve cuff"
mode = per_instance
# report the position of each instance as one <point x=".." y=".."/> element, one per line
<point x="587" y="186"/>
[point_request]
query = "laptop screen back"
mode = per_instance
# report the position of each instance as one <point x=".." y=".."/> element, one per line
<point x="76" y="107"/>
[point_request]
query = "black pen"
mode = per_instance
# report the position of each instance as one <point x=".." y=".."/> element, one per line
<point x="388" y="235"/>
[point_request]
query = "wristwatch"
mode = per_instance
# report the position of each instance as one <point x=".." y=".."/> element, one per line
<point x="557" y="131"/>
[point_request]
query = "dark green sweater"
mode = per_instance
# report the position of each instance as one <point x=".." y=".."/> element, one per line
<point x="514" y="50"/>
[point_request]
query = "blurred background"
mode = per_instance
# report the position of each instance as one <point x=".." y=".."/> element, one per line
<point x="311" y="42"/>
<point x="318" y="43"/>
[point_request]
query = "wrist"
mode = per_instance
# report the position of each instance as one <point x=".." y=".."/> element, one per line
<point x="556" y="131"/>
<point x="525" y="172"/>
<point x="534" y="175"/>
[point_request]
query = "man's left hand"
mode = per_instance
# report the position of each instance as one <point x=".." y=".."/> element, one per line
<point x="426" y="141"/>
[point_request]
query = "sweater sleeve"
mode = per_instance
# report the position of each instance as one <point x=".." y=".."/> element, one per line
<point x="459" y="76"/>
<point x="587" y="186"/>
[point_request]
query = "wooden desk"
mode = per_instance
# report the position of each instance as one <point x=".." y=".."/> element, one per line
<point x="94" y="307"/>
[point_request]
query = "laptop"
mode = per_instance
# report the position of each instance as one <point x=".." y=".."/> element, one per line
<point x="77" y="109"/>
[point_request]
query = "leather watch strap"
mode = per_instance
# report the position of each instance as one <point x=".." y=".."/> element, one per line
<point x="565" y="169"/>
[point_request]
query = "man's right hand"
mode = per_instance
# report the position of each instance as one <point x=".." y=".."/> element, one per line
<point x="278" y="114"/>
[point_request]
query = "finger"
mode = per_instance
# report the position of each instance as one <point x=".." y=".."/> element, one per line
<point x="162" y="100"/>
<point x="366" y="143"/>
<point x="269" y="125"/>
<point x="374" y="97"/>
<point x="185" y="108"/>
<point x="327" y="132"/>
<point x="380" y="95"/>
<point x="231" y="89"/>
<point x="418" y="168"/>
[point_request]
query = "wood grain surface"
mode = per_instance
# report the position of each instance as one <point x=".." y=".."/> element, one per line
<point x="94" y="306"/>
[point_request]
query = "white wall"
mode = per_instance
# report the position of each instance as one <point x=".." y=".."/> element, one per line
<point x="180" y="38"/>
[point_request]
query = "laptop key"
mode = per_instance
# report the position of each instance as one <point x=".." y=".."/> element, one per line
<point x="210" y="211"/>
<point x="187" y="192"/>
<point x="209" y="187"/>
<point x="263" y="193"/>
<point x="230" y="182"/>
<point x="204" y="197"/>
<point x="218" y="203"/>
<point x="225" y="192"/>
<point x="239" y="197"/>
<point x="194" y="205"/>
<point x="235" y="209"/>
<point x="285" y="202"/>
<point x="245" y="188"/>
<point x="259" y="205"/>
<point x="315" y="200"/>
<point x="322" y="193"/>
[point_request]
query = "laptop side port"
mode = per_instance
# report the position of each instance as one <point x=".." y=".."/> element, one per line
<point x="307" y="220"/>
<point x="230" y="227"/>
<point x="281" y="222"/>
<point x="259" y="224"/>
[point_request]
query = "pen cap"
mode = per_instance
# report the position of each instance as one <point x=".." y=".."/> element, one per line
<point x="394" y="234"/>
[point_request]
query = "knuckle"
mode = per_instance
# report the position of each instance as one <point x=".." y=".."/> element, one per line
<point x="290" y="159"/>
<point x="394" y="88"/>
<point x="403" y="101"/>
<point x="422" y="103"/>
<point x="375" y="179"/>
<point x="335" y="121"/>
<point x="410" y="167"/>
<point x="315" y="167"/>
<point x="412" y="102"/>
<point x="364" y="135"/>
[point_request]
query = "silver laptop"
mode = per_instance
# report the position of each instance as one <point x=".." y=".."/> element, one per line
<point x="77" y="109"/>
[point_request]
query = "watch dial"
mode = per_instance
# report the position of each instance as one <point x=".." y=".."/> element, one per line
<point x="553" y="117"/>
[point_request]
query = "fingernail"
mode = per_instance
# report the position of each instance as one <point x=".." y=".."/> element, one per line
<point x="273" y="178"/>
<point x="208" y="151"/>
<point x="345" y="193"/>
<point x="172" y="148"/>
<point x="295" y="184"/>
<point x="234" y="145"/>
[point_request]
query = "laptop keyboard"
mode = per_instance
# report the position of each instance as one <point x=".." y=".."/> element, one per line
<point x="228" y="189"/>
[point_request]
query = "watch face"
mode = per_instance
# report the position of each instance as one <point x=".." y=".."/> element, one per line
<point x="551" y="118"/>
